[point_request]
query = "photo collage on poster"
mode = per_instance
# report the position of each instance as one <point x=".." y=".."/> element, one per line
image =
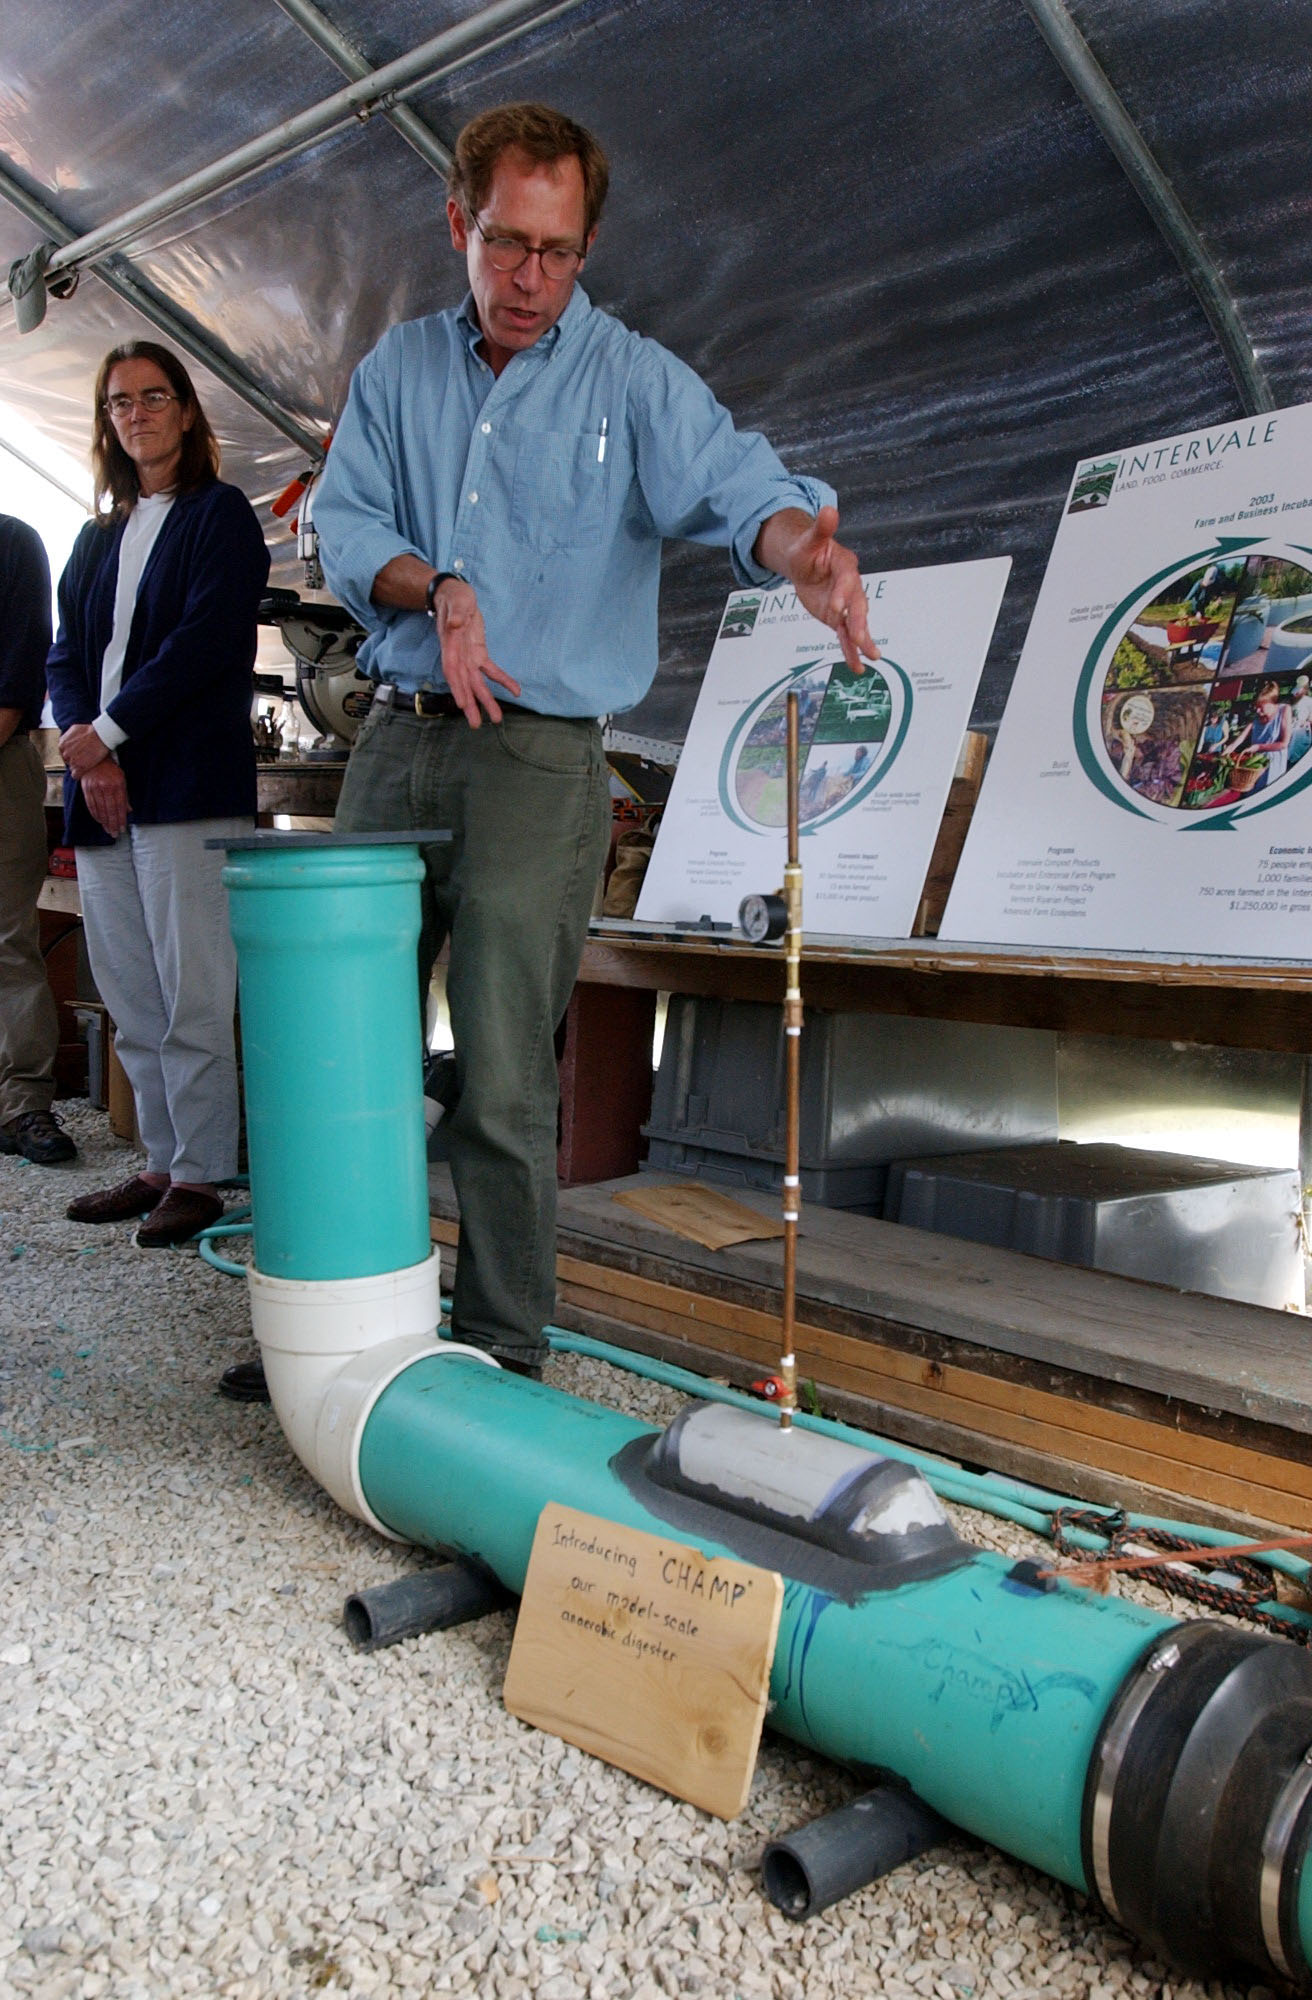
<point x="1208" y="697"/>
<point x="843" y="719"/>
<point x="1150" y="787"/>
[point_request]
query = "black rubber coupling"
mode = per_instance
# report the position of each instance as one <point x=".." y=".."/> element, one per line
<point x="1198" y="1804"/>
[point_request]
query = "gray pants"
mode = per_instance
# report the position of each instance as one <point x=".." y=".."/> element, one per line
<point x="29" y="1026"/>
<point x="156" y="920"/>
<point x="528" y="806"/>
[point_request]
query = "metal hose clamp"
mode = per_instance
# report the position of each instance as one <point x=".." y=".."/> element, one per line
<point x="1114" y="1745"/>
<point x="1275" y="1851"/>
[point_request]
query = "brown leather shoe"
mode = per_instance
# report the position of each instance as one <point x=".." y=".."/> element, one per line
<point x="182" y="1214"/>
<point x="116" y="1204"/>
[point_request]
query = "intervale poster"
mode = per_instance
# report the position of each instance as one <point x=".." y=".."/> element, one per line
<point x="1149" y="789"/>
<point x="877" y="753"/>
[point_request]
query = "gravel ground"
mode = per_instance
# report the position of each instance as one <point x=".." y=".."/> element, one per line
<point x="204" y="1790"/>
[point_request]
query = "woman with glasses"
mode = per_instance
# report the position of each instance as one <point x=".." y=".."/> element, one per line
<point x="151" y="682"/>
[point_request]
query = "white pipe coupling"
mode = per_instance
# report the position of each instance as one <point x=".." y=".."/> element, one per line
<point x="347" y="1405"/>
<point x="310" y="1329"/>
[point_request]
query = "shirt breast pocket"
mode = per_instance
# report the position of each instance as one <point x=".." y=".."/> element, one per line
<point x="558" y="498"/>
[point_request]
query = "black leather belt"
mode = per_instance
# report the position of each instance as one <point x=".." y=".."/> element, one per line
<point x="431" y="702"/>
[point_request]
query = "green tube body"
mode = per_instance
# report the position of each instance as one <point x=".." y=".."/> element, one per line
<point x="986" y="1696"/>
<point x="331" y="1051"/>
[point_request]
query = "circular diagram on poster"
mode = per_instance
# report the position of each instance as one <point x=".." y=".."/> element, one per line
<point x="850" y="728"/>
<point x="1201" y="701"/>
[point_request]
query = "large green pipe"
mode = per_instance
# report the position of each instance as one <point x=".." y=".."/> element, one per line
<point x="960" y="1684"/>
<point x="326" y="934"/>
<point x="1167" y="1767"/>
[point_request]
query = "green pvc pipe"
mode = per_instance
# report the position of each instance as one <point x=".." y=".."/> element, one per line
<point x="326" y="940"/>
<point x="209" y="1255"/>
<point x="959" y="1684"/>
<point x="983" y="1693"/>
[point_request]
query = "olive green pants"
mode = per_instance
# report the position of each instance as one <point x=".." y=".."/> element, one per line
<point x="527" y="805"/>
<point x="29" y="1029"/>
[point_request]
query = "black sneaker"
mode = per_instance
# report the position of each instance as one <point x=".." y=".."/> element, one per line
<point x="39" y="1137"/>
<point x="529" y="1365"/>
<point x="244" y="1383"/>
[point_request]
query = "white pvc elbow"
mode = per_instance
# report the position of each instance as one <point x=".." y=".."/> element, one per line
<point x="330" y="1347"/>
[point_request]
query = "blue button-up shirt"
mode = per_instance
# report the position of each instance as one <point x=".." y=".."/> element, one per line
<point x="549" y="487"/>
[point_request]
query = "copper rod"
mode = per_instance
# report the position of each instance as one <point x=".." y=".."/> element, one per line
<point x="792" y="1190"/>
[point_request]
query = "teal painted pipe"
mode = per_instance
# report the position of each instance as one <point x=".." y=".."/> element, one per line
<point x="326" y="939"/>
<point x="985" y="1698"/>
<point x="1166" y="1767"/>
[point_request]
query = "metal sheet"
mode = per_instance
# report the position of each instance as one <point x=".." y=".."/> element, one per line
<point x="1225" y="1104"/>
<point x="886" y="233"/>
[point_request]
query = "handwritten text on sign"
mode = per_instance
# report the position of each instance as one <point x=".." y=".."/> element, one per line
<point x="646" y="1653"/>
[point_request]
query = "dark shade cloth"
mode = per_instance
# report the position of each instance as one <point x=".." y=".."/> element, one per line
<point x="25" y="625"/>
<point x="187" y="686"/>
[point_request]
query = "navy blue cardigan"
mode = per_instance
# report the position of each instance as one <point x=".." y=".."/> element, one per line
<point x="185" y="700"/>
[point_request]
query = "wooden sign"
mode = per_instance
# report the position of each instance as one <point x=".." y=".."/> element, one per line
<point x="646" y="1653"/>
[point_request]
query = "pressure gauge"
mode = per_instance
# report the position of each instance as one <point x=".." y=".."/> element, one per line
<point x="761" y="918"/>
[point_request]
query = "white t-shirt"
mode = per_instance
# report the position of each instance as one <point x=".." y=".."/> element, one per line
<point x="139" y="536"/>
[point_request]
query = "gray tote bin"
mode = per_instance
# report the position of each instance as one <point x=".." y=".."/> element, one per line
<point x="1200" y="1225"/>
<point x="875" y="1087"/>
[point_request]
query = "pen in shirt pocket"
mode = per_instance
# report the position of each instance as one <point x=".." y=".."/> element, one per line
<point x="601" y="441"/>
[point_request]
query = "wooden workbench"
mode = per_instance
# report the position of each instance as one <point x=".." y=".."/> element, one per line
<point x="1222" y="1001"/>
<point x="1092" y="1384"/>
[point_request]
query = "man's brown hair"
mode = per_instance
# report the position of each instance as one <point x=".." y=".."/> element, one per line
<point x="545" y="135"/>
<point x="117" y="487"/>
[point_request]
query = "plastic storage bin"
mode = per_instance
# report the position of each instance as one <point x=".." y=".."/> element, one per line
<point x="874" y="1088"/>
<point x="1201" y="1225"/>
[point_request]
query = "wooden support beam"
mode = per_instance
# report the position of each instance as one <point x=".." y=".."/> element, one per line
<point x="1173" y="1452"/>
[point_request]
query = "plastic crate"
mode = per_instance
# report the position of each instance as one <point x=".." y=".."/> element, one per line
<point x="1201" y="1225"/>
<point x="874" y="1088"/>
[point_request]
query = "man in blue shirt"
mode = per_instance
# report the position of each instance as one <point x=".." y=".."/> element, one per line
<point x="492" y="511"/>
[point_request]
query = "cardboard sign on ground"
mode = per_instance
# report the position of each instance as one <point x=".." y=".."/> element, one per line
<point x="647" y="1653"/>
<point x="701" y="1214"/>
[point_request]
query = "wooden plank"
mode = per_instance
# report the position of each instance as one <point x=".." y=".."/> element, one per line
<point x="647" y="1653"/>
<point x="1149" y="1453"/>
<point x="935" y="1435"/>
<point x="957" y="814"/>
<point x="1112" y="1340"/>
<point x="829" y="1349"/>
<point x="956" y="1381"/>
<point x="1247" y="1359"/>
<point x="1239" y="1374"/>
<point x="1267" y="1489"/>
<point x="1160" y="1000"/>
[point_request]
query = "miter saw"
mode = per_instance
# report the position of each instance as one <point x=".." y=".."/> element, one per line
<point x="323" y="640"/>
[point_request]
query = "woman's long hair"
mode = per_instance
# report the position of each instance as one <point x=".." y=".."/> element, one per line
<point x="117" y="486"/>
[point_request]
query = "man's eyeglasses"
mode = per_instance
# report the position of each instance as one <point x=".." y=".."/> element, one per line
<point x="149" y="399"/>
<point x="507" y="253"/>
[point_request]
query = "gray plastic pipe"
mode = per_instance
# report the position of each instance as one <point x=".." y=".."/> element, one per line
<point x="831" y="1858"/>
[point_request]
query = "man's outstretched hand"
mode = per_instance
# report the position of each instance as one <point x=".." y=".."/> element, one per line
<point x="824" y="573"/>
<point x="466" y="666"/>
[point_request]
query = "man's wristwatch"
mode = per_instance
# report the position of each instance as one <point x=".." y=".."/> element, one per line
<point x="430" y="595"/>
